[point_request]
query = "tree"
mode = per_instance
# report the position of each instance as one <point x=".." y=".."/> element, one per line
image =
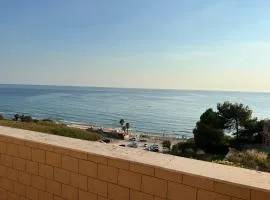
<point x="166" y="144"/>
<point x="122" y="122"/>
<point x="209" y="130"/>
<point x="234" y="115"/>
<point x="127" y="127"/>
<point x="252" y="130"/>
<point x="1" y="117"/>
<point x="124" y="128"/>
<point x="212" y="118"/>
<point x="16" y="117"/>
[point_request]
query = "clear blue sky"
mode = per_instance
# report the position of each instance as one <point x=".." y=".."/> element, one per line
<point x="191" y="44"/>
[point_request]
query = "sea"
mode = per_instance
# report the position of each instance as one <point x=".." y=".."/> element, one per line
<point x="172" y="113"/>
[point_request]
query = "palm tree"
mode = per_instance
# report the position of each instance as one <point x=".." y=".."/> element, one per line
<point x="127" y="127"/>
<point x="16" y="117"/>
<point x="124" y="128"/>
<point x="121" y="122"/>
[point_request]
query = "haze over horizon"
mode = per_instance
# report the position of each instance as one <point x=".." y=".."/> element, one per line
<point x="209" y="45"/>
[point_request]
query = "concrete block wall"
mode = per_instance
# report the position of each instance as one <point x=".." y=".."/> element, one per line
<point x="42" y="171"/>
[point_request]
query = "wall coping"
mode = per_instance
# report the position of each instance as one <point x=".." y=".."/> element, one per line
<point x="234" y="175"/>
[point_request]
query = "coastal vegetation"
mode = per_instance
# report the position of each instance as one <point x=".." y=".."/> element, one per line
<point x="48" y="126"/>
<point x="125" y="127"/>
<point x="230" y="130"/>
<point x="166" y="144"/>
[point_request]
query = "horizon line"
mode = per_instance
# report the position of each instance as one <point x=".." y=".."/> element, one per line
<point x="135" y="88"/>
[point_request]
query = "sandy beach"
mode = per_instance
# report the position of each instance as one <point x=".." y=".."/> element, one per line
<point x="144" y="140"/>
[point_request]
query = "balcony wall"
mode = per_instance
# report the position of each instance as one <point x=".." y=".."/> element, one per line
<point x="41" y="166"/>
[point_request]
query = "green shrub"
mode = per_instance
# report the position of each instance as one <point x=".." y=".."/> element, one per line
<point x="226" y="162"/>
<point x="48" y="120"/>
<point x="183" y="149"/>
<point x="251" y="158"/>
<point x="52" y="128"/>
<point x="26" y="118"/>
<point x="1" y="117"/>
<point x="166" y="144"/>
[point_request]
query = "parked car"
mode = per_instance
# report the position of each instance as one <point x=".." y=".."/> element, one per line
<point x="133" y="145"/>
<point x="154" y="148"/>
<point x="143" y="140"/>
<point x="132" y="139"/>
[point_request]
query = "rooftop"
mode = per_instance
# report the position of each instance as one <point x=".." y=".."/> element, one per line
<point x="244" y="177"/>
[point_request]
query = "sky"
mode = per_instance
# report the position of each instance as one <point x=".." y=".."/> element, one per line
<point x="174" y="44"/>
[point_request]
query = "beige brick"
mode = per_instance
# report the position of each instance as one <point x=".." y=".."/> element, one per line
<point x="45" y="147"/>
<point x="38" y="155"/>
<point x="129" y="179"/>
<point x="3" y="171"/>
<point x="116" y="192"/>
<point x="122" y="164"/>
<point x="206" y="195"/>
<point x="154" y="186"/>
<point x="87" y="196"/>
<point x="102" y="198"/>
<point x="168" y="175"/>
<point x="18" y="163"/>
<point x="31" y="193"/>
<point x="2" y="147"/>
<point x="24" y="178"/>
<point x="97" y="187"/>
<point x="53" y="159"/>
<point x="45" y="171"/>
<point x="17" y="141"/>
<point x="6" y="160"/>
<point x="61" y="175"/>
<point x="158" y="198"/>
<point x="78" y="181"/>
<point x="135" y="195"/>
<point x="25" y="152"/>
<point x="143" y="169"/>
<point x="38" y="182"/>
<point x="3" y="194"/>
<point x="69" y="193"/>
<point x="7" y="184"/>
<point x="198" y="182"/>
<point x="178" y="190"/>
<point x="88" y="168"/>
<point x="70" y="163"/>
<point x="12" y="196"/>
<point x="57" y="198"/>
<point x="19" y="188"/>
<point x="44" y="195"/>
<point x="61" y="150"/>
<point x="232" y="190"/>
<point x="97" y="159"/>
<point x="259" y="195"/>
<point x="78" y="154"/>
<point x="3" y="138"/>
<point x="31" y="144"/>
<point x="12" y="149"/>
<point x="32" y="167"/>
<point x="53" y="187"/>
<point x="12" y="174"/>
<point x="107" y="173"/>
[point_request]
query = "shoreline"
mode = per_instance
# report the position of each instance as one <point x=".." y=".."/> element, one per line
<point x="141" y="138"/>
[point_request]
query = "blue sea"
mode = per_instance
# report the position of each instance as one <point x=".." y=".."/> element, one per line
<point x="169" y="112"/>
